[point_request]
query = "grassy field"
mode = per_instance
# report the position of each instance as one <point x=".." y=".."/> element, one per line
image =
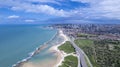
<point x="70" y="61"/>
<point x="102" y="53"/>
<point x="87" y="62"/>
<point x="85" y="35"/>
<point x="67" y="47"/>
<point x="84" y="43"/>
<point x="87" y="46"/>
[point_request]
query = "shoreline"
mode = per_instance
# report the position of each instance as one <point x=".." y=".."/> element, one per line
<point x="54" y="49"/>
<point x="36" y="51"/>
<point x="60" y="54"/>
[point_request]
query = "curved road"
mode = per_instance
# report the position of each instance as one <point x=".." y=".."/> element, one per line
<point x="80" y="53"/>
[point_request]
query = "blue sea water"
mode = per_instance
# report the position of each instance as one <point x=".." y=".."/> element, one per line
<point x="17" y="41"/>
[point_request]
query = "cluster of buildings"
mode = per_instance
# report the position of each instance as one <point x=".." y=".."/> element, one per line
<point x="102" y="31"/>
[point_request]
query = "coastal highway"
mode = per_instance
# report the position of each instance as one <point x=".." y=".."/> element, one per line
<point x="80" y="53"/>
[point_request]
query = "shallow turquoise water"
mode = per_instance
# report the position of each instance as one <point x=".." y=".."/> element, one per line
<point x="17" y="41"/>
<point x="46" y="57"/>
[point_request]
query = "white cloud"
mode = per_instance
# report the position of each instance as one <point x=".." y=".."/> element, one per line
<point x="35" y="8"/>
<point x="97" y="8"/>
<point x="82" y="0"/>
<point x="44" y="1"/>
<point x="13" y="17"/>
<point x="100" y="8"/>
<point x="29" y="20"/>
<point x="41" y="9"/>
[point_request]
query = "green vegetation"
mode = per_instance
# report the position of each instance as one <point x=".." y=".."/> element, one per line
<point x="107" y="53"/>
<point x="87" y="46"/>
<point x="70" y="61"/>
<point x="102" y="53"/>
<point x="87" y="62"/>
<point x="85" y="35"/>
<point x="67" y="47"/>
<point x="84" y="43"/>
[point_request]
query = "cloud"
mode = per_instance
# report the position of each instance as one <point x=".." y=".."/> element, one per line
<point x="100" y="9"/>
<point x="35" y="8"/>
<point x="82" y="1"/>
<point x="42" y="9"/>
<point x="13" y="17"/>
<point x="110" y="8"/>
<point x="96" y="9"/>
<point x="29" y="20"/>
<point x="44" y="1"/>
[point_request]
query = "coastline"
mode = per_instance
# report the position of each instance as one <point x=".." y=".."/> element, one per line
<point x="60" y="54"/>
<point x="53" y="49"/>
<point x="36" y="51"/>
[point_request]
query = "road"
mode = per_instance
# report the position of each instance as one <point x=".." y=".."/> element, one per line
<point x="80" y="53"/>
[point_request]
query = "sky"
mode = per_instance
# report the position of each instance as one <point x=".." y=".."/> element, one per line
<point x="59" y="11"/>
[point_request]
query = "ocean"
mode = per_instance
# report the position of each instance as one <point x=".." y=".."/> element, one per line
<point x="18" y="41"/>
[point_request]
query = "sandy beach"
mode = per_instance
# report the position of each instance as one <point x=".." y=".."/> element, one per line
<point x="60" y="54"/>
<point x="51" y="62"/>
<point x="45" y="63"/>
